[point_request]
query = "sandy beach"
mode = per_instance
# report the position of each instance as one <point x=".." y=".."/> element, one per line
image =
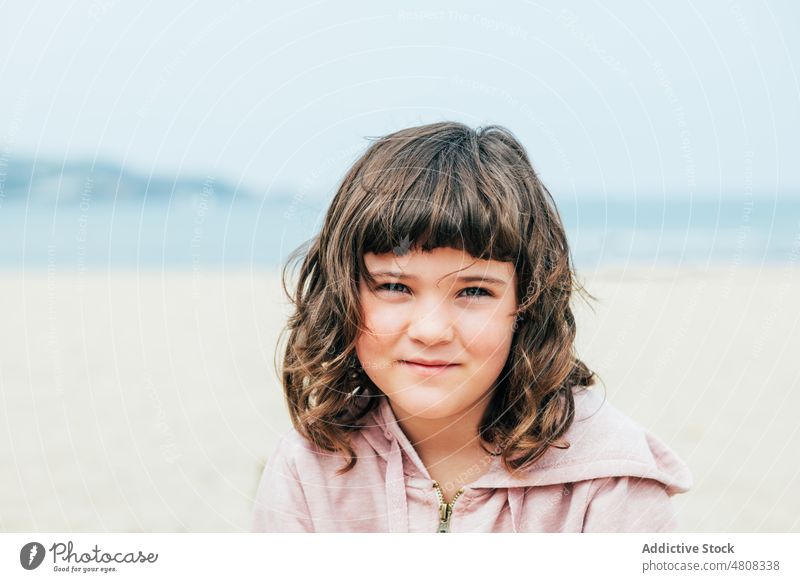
<point x="149" y="401"/>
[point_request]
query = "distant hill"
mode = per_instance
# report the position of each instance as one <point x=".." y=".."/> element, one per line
<point x="49" y="181"/>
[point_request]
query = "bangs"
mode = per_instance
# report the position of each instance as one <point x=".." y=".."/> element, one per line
<point x="443" y="201"/>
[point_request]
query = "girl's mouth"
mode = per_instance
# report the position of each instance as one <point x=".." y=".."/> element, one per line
<point x="427" y="370"/>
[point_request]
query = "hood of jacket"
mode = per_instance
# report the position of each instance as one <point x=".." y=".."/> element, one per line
<point x="604" y="442"/>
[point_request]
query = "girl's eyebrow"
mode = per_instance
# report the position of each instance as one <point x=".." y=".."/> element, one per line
<point x="463" y="278"/>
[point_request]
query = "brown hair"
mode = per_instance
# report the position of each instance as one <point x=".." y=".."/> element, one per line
<point x="437" y="185"/>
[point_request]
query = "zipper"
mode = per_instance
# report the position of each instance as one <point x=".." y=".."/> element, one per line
<point x="445" y="509"/>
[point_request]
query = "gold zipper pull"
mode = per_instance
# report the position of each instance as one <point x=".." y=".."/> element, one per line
<point x="444" y="518"/>
<point x="445" y="509"/>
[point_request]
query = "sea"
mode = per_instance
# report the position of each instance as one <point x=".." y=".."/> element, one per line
<point x="82" y="217"/>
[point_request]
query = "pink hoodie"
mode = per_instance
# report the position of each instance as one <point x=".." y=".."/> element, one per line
<point x="615" y="477"/>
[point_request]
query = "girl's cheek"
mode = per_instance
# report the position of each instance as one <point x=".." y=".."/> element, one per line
<point x="384" y="320"/>
<point x="489" y="327"/>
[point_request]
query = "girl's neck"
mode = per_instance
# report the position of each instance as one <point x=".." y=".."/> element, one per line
<point x="449" y="435"/>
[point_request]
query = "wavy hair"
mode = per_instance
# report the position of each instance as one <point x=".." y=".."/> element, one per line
<point x="432" y="186"/>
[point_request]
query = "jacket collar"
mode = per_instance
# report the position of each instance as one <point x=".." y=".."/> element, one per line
<point x="603" y="443"/>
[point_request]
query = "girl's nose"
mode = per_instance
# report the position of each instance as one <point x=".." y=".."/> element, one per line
<point x="431" y="324"/>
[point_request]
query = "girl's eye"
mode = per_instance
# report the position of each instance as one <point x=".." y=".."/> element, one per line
<point x="386" y="285"/>
<point x="482" y="292"/>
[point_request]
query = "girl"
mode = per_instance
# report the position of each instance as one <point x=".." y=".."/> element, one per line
<point x="430" y="371"/>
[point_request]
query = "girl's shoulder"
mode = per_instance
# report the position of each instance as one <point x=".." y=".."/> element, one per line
<point x="603" y="443"/>
<point x="293" y="448"/>
<point x="304" y="458"/>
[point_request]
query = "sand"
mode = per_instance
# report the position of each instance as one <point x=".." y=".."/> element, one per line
<point x="149" y="401"/>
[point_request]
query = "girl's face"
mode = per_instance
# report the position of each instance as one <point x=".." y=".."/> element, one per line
<point x="441" y="306"/>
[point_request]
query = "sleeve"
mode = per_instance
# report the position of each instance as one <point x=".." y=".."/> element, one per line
<point x="629" y="504"/>
<point x="280" y="504"/>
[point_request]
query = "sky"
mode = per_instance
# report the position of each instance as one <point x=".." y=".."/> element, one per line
<point x="610" y="99"/>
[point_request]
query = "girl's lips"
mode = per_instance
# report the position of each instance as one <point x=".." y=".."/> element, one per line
<point x="424" y="370"/>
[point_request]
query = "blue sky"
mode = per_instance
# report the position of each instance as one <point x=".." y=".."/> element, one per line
<point x="618" y="98"/>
